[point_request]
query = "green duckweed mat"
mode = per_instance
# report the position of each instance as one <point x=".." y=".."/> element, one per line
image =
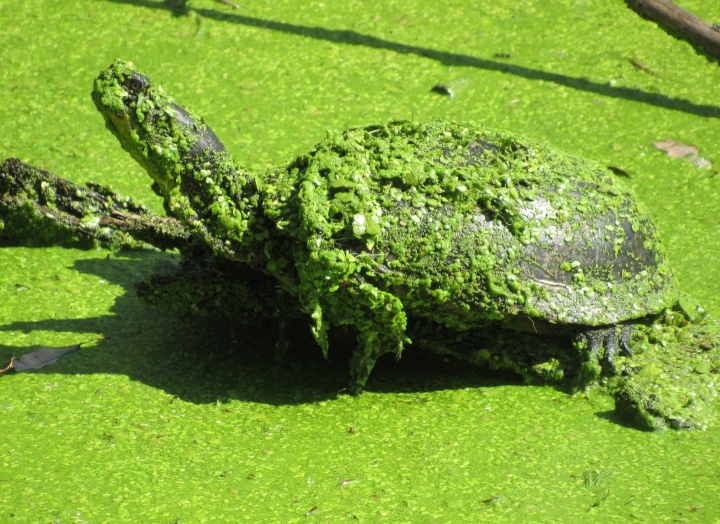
<point x="167" y="422"/>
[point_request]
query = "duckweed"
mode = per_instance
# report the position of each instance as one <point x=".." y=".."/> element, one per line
<point x="271" y="78"/>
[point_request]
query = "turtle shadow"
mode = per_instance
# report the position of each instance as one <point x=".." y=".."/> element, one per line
<point x="616" y="418"/>
<point x="212" y="360"/>
<point x="123" y="269"/>
<point x="209" y="361"/>
<point x="446" y="58"/>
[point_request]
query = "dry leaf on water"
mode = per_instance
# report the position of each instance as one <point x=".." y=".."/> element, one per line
<point x="41" y="357"/>
<point x="679" y="150"/>
<point x="675" y="150"/>
<point x="701" y="162"/>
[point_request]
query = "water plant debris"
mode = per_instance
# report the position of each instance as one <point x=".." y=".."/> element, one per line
<point x="41" y="357"/>
<point x="676" y="149"/>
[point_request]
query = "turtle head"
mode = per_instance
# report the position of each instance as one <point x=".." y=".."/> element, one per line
<point x="162" y="136"/>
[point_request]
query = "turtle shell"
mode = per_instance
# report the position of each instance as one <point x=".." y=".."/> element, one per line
<point x="466" y="225"/>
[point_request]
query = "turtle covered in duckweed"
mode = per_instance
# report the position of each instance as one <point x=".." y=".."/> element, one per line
<point x="414" y="231"/>
<point x="471" y="242"/>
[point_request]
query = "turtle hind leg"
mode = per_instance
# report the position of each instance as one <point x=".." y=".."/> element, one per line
<point x="594" y="338"/>
<point x="617" y="338"/>
<point x="611" y="350"/>
<point x="590" y="343"/>
<point x="602" y="346"/>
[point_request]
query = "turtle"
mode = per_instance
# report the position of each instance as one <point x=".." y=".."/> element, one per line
<point x="466" y="228"/>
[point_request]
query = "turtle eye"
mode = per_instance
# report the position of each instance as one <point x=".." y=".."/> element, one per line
<point x="135" y="84"/>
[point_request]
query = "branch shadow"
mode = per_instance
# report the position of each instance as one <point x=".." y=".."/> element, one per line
<point x="350" y="37"/>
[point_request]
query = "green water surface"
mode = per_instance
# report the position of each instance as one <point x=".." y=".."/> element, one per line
<point x="160" y="423"/>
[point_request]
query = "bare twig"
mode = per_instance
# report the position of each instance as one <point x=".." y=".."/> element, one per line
<point x="231" y="4"/>
<point x="642" y="67"/>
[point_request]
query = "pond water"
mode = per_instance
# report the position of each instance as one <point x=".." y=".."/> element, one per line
<point x="157" y="423"/>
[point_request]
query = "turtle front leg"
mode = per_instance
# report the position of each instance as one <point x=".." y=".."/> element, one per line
<point x="381" y="322"/>
<point x="283" y="342"/>
<point x="363" y="361"/>
<point x="378" y="316"/>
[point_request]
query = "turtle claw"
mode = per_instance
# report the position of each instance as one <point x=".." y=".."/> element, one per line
<point x="605" y="343"/>
<point x="626" y="332"/>
<point x="611" y="349"/>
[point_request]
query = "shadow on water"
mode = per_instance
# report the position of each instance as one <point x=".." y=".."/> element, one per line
<point x="350" y="37"/>
<point x="208" y="360"/>
<point x="615" y="418"/>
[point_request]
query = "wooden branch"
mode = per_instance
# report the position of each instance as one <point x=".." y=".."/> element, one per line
<point x="37" y="207"/>
<point x="681" y="24"/>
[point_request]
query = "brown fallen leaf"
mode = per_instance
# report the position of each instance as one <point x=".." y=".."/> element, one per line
<point x="41" y="357"/>
<point x="676" y="149"/>
<point x="680" y="151"/>
<point x="664" y="146"/>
